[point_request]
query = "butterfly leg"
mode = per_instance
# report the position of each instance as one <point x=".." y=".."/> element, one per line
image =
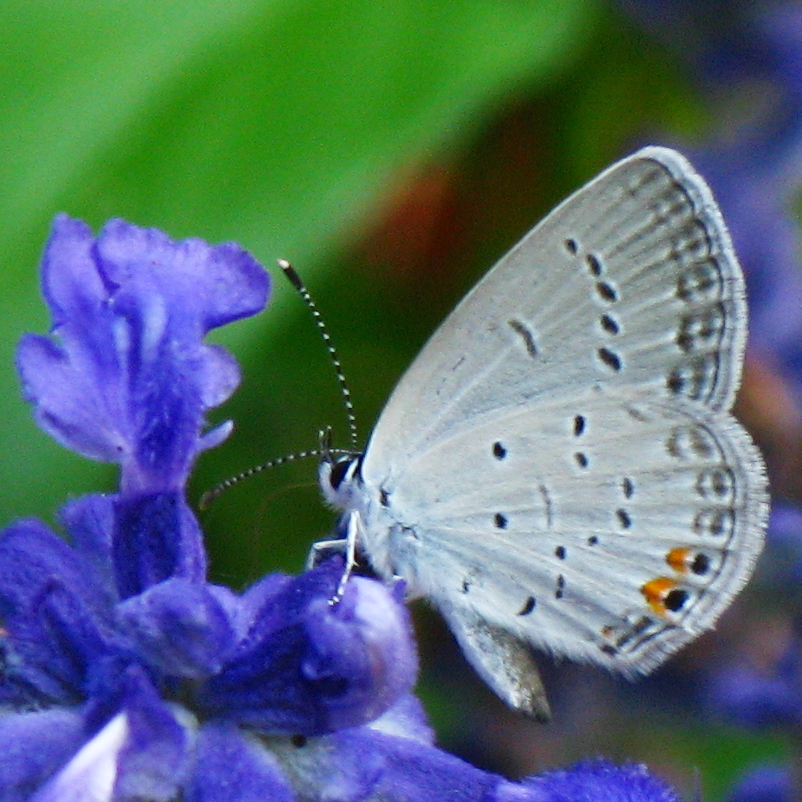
<point x="345" y="546"/>
<point x="351" y="535"/>
<point x="323" y="549"/>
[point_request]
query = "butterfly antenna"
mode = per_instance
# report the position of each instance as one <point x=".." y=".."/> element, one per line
<point x="210" y="495"/>
<point x="297" y="282"/>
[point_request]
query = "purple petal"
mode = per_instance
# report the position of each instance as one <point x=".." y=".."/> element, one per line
<point x="156" y="537"/>
<point x="155" y="757"/>
<point x="92" y="772"/>
<point x="360" y="763"/>
<point x="131" y="379"/>
<point x="602" y="780"/>
<point x="365" y="638"/>
<point x="70" y="280"/>
<point x="222" y="376"/>
<point x="406" y="719"/>
<point x="307" y="666"/>
<point x="68" y="405"/>
<point x="35" y="746"/>
<point x="139" y="752"/>
<point x="128" y="544"/>
<point x="55" y="617"/>
<point x="215" y="284"/>
<point x="233" y="766"/>
<point x="178" y="627"/>
<point x="90" y="523"/>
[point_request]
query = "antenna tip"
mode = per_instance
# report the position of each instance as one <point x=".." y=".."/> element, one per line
<point x="206" y="499"/>
<point x="289" y="272"/>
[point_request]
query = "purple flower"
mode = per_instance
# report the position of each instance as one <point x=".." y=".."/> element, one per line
<point x="132" y="378"/>
<point x="124" y="674"/>
<point x="120" y="662"/>
<point x="600" y="779"/>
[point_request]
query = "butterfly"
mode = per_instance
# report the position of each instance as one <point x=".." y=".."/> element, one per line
<point x="559" y="467"/>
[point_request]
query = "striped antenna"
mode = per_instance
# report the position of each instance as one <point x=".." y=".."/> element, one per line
<point x="324" y="450"/>
<point x="210" y="495"/>
<point x="295" y="280"/>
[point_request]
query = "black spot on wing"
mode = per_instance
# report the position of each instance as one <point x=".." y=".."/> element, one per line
<point x="528" y="606"/>
<point x="594" y="264"/>
<point x="676" y="599"/>
<point x="606" y="291"/>
<point x="525" y="334"/>
<point x="610" y="359"/>
<point x="610" y="324"/>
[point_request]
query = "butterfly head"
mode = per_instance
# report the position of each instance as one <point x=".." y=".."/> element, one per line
<point x="340" y="479"/>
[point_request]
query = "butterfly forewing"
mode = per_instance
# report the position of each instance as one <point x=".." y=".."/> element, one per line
<point x="630" y="282"/>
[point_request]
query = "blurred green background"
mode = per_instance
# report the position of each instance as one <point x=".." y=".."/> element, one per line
<point x="392" y="151"/>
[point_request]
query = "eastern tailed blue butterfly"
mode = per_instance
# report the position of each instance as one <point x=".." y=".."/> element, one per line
<point x="559" y="467"/>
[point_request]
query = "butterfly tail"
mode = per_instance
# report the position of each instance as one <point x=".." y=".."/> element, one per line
<point x="502" y="660"/>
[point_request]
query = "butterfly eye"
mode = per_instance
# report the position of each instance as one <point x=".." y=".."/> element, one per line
<point x="339" y="471"/>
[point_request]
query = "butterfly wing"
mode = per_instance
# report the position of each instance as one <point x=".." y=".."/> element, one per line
<point x="631" y="281"/>
<point x="610" y="529"/>
<point x="558" y="467"/>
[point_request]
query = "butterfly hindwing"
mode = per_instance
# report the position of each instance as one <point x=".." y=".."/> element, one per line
<point x="570" y="525"/>
<point x="505" y="662"/>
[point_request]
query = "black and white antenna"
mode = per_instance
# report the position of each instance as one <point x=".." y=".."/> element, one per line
<point x="210" y="495"/>
<point x="297" y="282"/>
<point x="324" y="450"/>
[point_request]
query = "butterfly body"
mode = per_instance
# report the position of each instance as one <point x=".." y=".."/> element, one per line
<point x="558" y="468"/>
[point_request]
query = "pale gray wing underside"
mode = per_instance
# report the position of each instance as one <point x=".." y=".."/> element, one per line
<point x="559" y="464"/>
<point x="607" y="529"/>
<point x="630" y="282"/>
<point x="506" y="663"/>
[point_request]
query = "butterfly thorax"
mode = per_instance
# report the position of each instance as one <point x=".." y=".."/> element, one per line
<point x="390" y="545"/>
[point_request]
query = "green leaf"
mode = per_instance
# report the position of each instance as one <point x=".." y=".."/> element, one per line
<point x="275" y="124"/>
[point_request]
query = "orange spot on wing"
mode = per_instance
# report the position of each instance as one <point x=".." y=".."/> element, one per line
<point x="679" y="559"/>
<point x="655" y="591"/>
